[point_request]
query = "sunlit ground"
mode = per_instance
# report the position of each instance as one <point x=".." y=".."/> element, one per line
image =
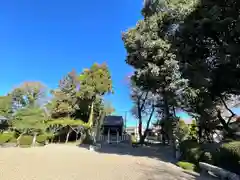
<point x="68" y="162"/>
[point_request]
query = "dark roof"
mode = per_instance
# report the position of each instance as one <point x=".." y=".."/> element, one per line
<point x="113" y="121"/>
<point x="2" y="119"/>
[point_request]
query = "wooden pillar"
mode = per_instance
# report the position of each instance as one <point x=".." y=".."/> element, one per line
<point x="108" y="136"/>
<point x="117" y="137"/>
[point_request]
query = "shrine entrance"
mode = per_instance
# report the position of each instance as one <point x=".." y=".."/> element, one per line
<point x="112" y="130"/>
<point x="113" y="135"/>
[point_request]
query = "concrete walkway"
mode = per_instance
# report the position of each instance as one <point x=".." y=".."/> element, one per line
<point x="69" y="162"/>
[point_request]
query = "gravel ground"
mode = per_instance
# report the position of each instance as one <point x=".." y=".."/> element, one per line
<point x="68" y="162"/>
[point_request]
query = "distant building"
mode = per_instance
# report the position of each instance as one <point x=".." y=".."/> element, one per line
<point x="131" y="130"/>
<point x="3" y="123"/>
<point x="3" y="119"/>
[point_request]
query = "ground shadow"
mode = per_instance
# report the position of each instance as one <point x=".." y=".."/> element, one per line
<point x="157" y="151"/>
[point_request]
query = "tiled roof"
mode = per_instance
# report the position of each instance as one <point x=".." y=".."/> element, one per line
<point x="113" y="121"/>
<point x="3" y="118"/>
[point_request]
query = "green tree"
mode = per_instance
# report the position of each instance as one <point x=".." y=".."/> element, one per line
<point x="94" y="83"/>
<point x="183" y="130"/>
<point x="149" y="52"/>
<point x="64" y="102"/>
<point x="206" y="46"/>
<point x="193" y="130"/>
<point x="6" y="106"/>
<point x="28" y="94"/>
<point x="29" y="121"/>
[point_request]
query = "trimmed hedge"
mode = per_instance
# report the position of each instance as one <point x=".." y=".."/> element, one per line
<point x="226" y="156"/>
<point x="25" y="140"/>
<point x="41" y="139"/>
<point x="6" y="137"/>
<point x="186" y="165"/>
<point x="191" y="151"/>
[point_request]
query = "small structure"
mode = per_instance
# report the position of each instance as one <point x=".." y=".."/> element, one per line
<point x="112" y="130"/>
<point x="3" y="119"/>
<point x="3" y="123"/>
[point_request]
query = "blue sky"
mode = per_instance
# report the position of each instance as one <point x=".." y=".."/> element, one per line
<point x="42" y="40"/>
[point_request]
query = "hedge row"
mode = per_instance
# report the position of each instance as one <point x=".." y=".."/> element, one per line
<point x="25" y="140"/>
<point x="226" y="155"/>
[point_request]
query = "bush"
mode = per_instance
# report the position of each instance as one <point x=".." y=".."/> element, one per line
<point x="26" y="140"/>
<point x="41" y="139"/>
<point x="133" y="139"/>
<point x="207" y="157"/>
<point x="228" y="156"/>
<point x="6" y="137"/>
<point x="186" y="165"/>
<point x="191" y="151"/>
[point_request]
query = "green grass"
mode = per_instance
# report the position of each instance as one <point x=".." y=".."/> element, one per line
<point x="186" y="165"/>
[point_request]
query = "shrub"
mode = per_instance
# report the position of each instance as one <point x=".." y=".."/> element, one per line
<point x="207" y="157"/>
<point x="41" y="138"/>
<point x="186" y="165"/>
<point x="133" y="139"/>
<point x="6" y="137"/>
<point x="228" y="156"/>
<point x="26" y="140"/>
<point x="191" y="151"/>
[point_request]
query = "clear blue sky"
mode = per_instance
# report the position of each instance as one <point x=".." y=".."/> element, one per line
<point x="42" y="40"/>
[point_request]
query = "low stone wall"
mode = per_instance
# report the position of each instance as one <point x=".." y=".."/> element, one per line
<point x="222" y="173"/>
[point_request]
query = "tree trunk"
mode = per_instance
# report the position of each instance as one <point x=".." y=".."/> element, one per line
<point x="143" y="137"/>
<point x="90" y="119"/>
<point x="77" y="136"/>
<point x="168" y="117"/>
<point x="67" y="137"/>
<point x="19" y="138"/>
<point x="34" y="139"/>
<point x="225" y="125"/>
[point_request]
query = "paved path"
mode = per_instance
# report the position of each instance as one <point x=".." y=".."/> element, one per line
<point x="68" y="162"/>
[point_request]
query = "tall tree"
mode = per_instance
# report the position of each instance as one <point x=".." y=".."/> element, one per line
<point x="64" y="102"/>
<point x="143" y="109"/>
<point x="149" y="51"/>
<point x="28" y="94"/>
<point x="94" y="83"/>
<point x="206" y="46"/>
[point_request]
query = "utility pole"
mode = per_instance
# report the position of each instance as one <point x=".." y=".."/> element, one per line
<point x="125" y="119"/>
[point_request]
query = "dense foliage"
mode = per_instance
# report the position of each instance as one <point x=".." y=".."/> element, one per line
<point x="74" y="107"/>
<point x="185" y="53"/>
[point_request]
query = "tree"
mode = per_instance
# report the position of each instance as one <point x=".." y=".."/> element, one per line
<point x="94" y="84"/>
<point x="206" y="46"/>
<point x="29" y="121"/>
<point x="80" y="97"/>
<point x="108" y="108"/>
<point x="149" y="52"/>
<point x="144" y="108"/>
<point x="67" y="123"/>
<point x="28" y="94"/>
<point x="64" y="102"/>
<point x="6" y="106"/>
<point x="183" y="130"/>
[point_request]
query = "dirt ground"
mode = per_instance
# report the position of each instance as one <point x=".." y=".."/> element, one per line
<point x="69" y="162"/>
